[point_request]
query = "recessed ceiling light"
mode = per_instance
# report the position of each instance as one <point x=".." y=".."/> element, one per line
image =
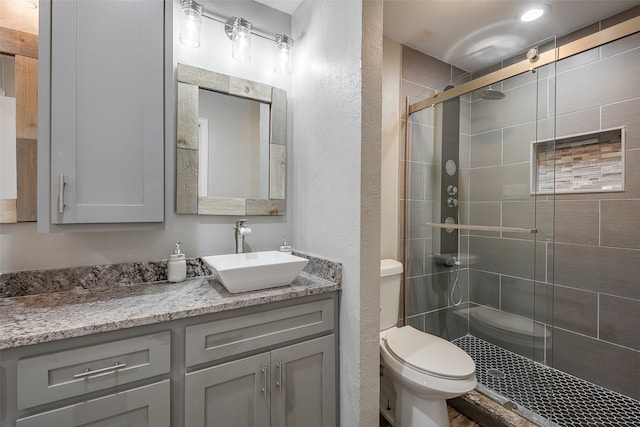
<point x="533" y="13"/>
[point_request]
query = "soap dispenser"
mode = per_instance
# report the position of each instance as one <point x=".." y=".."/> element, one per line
<point x="285" y="247"/>
<point x="177" y="265"/>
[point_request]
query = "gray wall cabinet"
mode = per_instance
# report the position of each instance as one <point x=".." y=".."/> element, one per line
<point x="272" y="365"/>
<point x="101" y="141"/>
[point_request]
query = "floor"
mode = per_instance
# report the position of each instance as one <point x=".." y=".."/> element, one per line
<point x="545" y="395"/>
<point x="456" y="419"/>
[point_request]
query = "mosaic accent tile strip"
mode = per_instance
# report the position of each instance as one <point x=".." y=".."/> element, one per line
<point x="546" y="395"/>
<point x="581" y="164"/>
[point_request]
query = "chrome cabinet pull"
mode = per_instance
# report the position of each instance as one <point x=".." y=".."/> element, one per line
<point x="61" y="193"/>
<point x="265" y="371"/>
<point x="279" y="383"/>
<point x="92" y="373"/>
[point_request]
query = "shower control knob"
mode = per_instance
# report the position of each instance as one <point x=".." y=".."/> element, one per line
<point x="452" y="190"/>
<point x="452" y="202"/>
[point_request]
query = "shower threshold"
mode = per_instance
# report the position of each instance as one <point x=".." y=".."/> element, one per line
<point x="544" y="395"/>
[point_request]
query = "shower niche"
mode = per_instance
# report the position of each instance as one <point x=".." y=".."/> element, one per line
<point x="585" y="163"/>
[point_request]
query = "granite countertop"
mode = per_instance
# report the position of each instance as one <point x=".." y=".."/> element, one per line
<point x="34" y="319"/>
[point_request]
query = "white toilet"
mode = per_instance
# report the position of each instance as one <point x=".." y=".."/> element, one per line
<point x="419" y="371"/>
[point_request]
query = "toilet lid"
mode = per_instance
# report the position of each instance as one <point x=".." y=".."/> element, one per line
<point x="428" y="353"/>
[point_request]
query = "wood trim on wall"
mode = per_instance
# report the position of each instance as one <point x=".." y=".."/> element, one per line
<point x="15" y="42"/>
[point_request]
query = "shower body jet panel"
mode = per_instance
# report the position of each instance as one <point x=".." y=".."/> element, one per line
<point x="446" y="163"/>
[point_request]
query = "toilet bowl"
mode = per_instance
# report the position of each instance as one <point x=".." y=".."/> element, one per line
<point x="419" y="371"/>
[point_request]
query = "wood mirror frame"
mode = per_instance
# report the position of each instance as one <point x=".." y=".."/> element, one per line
<point x="190" y="80"/>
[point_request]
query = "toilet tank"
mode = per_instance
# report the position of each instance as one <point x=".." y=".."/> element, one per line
<point x="390" y="277"/>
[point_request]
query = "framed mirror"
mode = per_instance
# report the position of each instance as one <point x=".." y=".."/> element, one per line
<point x="231" y="145"/>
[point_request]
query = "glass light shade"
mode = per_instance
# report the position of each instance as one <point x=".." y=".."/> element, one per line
<point x="284" y="44"/>
<point x="190" y="25"/>
<point x="239" y="31"/>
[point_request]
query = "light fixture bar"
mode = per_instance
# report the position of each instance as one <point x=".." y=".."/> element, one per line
<point x="253" y="30"/>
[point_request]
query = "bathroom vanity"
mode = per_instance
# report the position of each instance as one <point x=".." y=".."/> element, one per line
<point x="171" y="354"/>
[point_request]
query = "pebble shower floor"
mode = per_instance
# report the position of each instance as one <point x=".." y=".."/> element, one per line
<point x="546" y="395"/>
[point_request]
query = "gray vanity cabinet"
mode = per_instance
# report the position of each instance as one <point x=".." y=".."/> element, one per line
<point x="146" y="406"/>
<point x="270" y="368"/>
<point x="303" y="384"/>
<point x="101" y="152"/>
<point x="233" y="394"/>
<point x="287" y="387"/>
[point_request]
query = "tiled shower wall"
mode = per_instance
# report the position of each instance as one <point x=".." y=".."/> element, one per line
<point x="586" y="255"/>
<point x="427" y="284"/>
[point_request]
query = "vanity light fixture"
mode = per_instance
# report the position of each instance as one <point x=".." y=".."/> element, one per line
<point x="284" y="44"/>
<point x="533" y="13"/>
<point x="239" y="31"/>
<point x="190" y="27"/>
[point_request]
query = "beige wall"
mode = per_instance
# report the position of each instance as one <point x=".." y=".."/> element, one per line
<point x="391" y="146"/>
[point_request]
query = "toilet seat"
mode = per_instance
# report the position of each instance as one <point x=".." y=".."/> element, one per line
<point x="428" y="354"/>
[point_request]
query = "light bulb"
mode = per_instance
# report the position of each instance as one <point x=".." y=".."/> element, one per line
<point x="284" y="44"/>
<point x="190" y="27"/>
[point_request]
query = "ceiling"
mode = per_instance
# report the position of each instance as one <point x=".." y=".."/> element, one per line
<point x="475" y="34"/>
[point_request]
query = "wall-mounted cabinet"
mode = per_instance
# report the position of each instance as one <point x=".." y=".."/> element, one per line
<point x="101" y="156"/>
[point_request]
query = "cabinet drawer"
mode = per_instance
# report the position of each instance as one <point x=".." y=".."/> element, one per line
<point x="144" y="406"/>
<point x="228" y="337"/>
<point x="55" y="376"/>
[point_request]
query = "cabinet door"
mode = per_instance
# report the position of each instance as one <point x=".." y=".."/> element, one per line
<point x="303" y="384"/>
<point x="234" y="394"/>
<point x="141" y="407"/>
<point x="107" y="124"/>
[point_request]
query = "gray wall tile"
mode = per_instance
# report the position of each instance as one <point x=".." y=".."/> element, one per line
<point x="485" y="213"/>
<point x="576" y="310"/>
<point x="421" y="147"/>
<point x="599" y="269"/>
<point x="414" y="91"/>
<point x="415" y="257"/>
<point x="508" y="182"/>
<point x="620" y="321"/>
<point x="519" y="106"/>
<point x="620" y="224"/>
<point x="416" y="321"/>
<point x="576" y="89"/>
<point x="577" y="222"/>
<point x="448" y="323"/>
<point x="519" y="214"/>
<point x="417" y="175"/>
<point x="605" y="364"/>
<point x="523" y="343"/>
<point x="578" y="122"/>
<point x="486" y="149"/>
<point x="624" y="114"/>
<point x="509" y="257"/>
<point x="427" y="293"/>
<point x="415" y="63"/>
<point x="517" y="296"/>
<point x="619" y="46"/>
<point x="420" y="211"/>
<point x="517" y="142"/>
<point x="484" y="288"/>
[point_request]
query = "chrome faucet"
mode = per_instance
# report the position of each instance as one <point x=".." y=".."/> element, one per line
<point x="241" y="231"/>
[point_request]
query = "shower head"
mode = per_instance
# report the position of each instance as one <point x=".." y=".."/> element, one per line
<point x="490" y="94"/>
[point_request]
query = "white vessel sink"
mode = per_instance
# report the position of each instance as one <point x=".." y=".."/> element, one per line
<point x="255" y="270"/>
